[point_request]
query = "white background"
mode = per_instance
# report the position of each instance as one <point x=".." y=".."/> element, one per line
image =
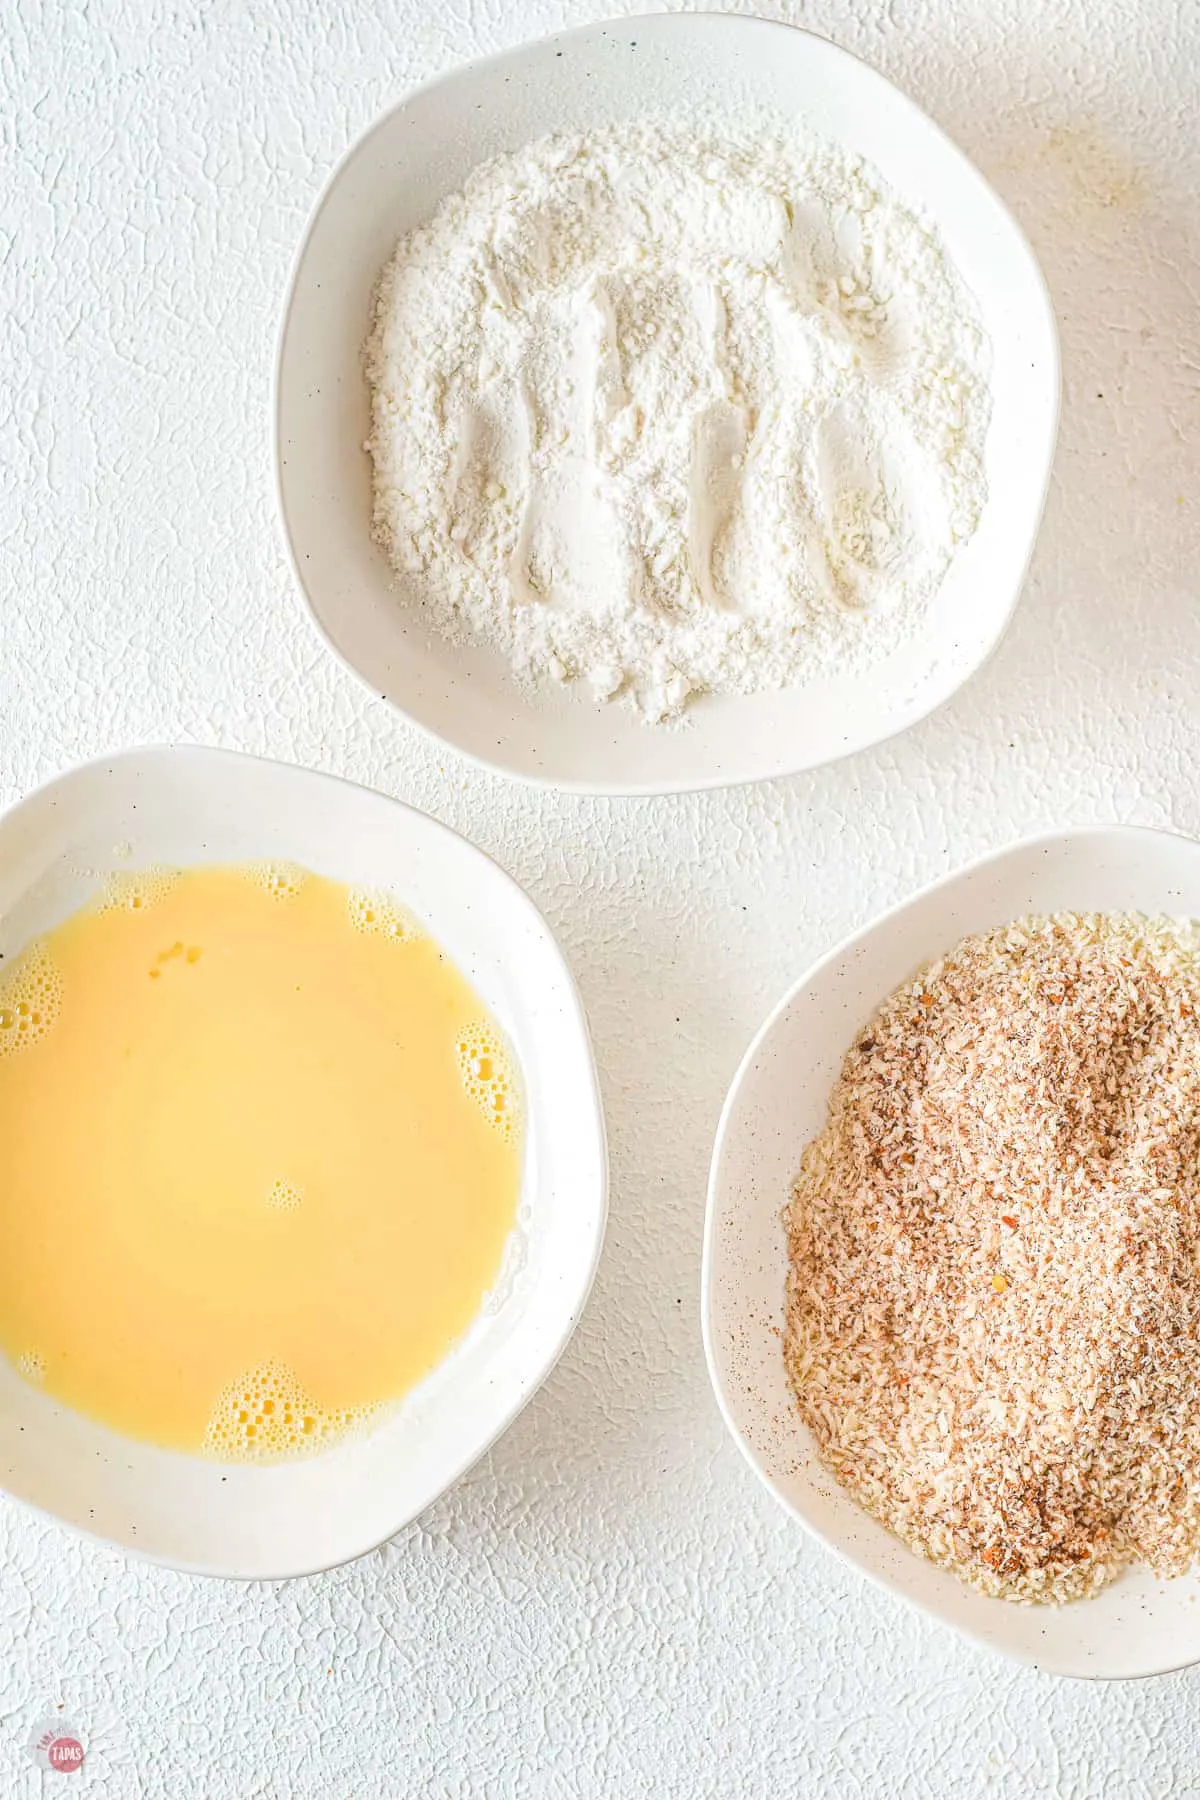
<point x="608" y="1605"/>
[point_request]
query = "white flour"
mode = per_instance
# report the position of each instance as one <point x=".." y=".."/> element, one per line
<point x="670" y="407"/>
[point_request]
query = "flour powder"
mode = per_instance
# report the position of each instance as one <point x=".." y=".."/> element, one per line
<point x="671" y="407"/>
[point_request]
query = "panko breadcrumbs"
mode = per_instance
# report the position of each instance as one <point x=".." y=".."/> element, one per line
<point x="994" y="1289"/>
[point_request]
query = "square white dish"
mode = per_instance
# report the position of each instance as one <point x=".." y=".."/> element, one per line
<point x="180" y="807"/>
<point x="423" y="149"/>
<point x="1138" y="1626"/>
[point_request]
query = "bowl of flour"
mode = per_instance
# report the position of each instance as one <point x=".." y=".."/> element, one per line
<point x="662" y="405"/>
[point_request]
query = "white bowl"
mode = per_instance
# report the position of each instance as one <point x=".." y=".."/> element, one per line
<point x="1139" y="1625"/>
<point x="187" y="806"/>
<point x="393" y="179"/>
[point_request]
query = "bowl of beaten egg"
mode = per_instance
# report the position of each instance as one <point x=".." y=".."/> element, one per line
<point x="304" y="1175"/>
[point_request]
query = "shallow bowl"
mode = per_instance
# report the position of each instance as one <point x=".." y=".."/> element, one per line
<point x="1137" y="1626"/>
<point x="392" y="180"/>
<point x="179" y="807"/>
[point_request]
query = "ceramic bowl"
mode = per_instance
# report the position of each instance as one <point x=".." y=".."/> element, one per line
<point x="1139" y="1625"/>
<point x="187" y="806"/>
<point x="423" y="149"/>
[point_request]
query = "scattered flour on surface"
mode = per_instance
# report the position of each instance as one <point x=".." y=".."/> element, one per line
<point x="672" y="408"/>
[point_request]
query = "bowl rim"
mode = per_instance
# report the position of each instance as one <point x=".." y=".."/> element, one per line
<point x="862" y="1565"/>
<point x="743" y="24"/>
<point x="593" y="1248"/>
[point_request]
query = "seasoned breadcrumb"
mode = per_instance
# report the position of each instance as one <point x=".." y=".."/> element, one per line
<point x="994" y="1289"/>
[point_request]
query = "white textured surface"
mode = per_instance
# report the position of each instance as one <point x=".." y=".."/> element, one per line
<point x="608" y="1605"/>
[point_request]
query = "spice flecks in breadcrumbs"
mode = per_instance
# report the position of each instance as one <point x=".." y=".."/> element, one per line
<point x="994" y="1289"/>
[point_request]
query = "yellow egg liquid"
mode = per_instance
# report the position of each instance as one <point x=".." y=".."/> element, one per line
<point x="260" y="1154"/>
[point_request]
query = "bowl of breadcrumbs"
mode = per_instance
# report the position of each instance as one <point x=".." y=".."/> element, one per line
<point x="952" y="1257"/>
